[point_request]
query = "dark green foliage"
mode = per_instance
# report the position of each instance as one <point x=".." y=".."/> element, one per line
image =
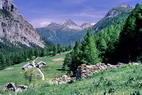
<point x="76" y="56"/>
<point x="2" y="61"/>
<point x="83" y="53"/>
<point x="130" y="43"/>
<point x="107" y="39"/>
<point x="55" y="50"/>
<point x="67" y="62"/>
<point x="23" y="55"/>
<point x="89" y="49"/>
<point x="136" y="93"/>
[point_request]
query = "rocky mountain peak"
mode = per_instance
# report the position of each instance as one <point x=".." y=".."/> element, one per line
<point x="118" y="10"/>
<point x="69" y="22"/>
<point x="71" y="25"/>
<point x="8" y="5"/>
<point x="125" y="6"/>
<point x="15" y="28"/>
<point x="53" y="24"/>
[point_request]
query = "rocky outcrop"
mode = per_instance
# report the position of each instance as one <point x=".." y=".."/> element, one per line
<point x="114" y="16"/>
<point x="63" y="79"/>
<point x="85" y="71"/>
<point x="14" y="27"/>
<point x="13" y="87"/>
<point x="119" y="10"/>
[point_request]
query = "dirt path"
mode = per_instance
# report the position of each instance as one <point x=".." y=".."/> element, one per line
<point x="58" y="59"/>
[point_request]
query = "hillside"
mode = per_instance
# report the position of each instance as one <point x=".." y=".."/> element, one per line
<point x="114" y="16"/>
<point x="15" y="29"/>
<point x="16" y="74"/>
<point x="129" y="46"/>
<point x="105" y="59"/>
<point x="112" y="81"/>
<point x="123" y="81"/>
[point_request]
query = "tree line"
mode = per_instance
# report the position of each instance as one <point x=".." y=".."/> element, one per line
<point x="23" y="55"/>
<point x="94" y="48"/>
<point x="121" y="42"/>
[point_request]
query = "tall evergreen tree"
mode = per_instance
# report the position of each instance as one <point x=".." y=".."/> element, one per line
<point x="130" y="44"/>
<point x="2" y="61"/>
<point x="76" y="56"/>
<point x="89" y="49"/>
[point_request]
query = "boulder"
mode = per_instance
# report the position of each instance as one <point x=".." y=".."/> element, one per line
<point x="63" y="79"/>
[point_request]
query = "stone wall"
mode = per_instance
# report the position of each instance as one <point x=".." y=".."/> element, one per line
<point x="86" y="71"/>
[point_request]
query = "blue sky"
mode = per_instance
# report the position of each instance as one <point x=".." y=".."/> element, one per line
<point x="42" y="12"/>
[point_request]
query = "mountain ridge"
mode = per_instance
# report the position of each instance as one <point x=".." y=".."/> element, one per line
<point x="14" y="27"/>
<point x="114" y="16"/>
<point x="65" y="33"/>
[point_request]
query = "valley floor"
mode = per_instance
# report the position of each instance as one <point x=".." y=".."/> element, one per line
<point x="16" y="74"/>
<point x="121" y="81"/>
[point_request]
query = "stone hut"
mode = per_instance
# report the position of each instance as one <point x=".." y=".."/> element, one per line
<point x="27" y="66"/>
<point x="41" y="64"/>
<point x="11" y="86"/>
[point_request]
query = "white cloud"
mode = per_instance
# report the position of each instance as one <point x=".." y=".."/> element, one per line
<point x="40" y="22"/>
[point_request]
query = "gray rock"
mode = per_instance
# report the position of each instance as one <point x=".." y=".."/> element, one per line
<point x="134" y="63"/>
<point x="63" y="79"/>
<point x="14" y="27"/>
<point x="85" y="71"/>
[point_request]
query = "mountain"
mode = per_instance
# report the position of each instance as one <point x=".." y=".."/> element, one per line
<point x="129" y="48"/>
<point x="71" y="25"/>
<point x="15" y="30"/>
<point x="65" y="33"/>
<point x="114" y="16"/>
<point x="68" y="32"/>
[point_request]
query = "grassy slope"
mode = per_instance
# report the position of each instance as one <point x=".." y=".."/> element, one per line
<point x="15" y="73"/>
<point x="122" y="81"/>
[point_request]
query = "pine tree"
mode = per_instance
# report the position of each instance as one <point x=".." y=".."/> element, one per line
<point x="67" y="62"/>
<point x="130" y="44"/>
<point x="89" y="49"/>
<point x="2" y="61"/>
<point x="55" y="50"/>
<point x="76" y="56"/>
